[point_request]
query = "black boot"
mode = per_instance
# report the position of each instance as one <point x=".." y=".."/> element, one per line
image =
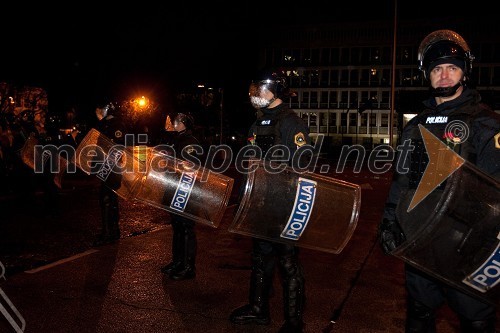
<point x="176" y="251"/>
<point x="292" y="326"/>
<point x="293" y="293"/>
<point x="186" y="270"/>
<point x="478" y="326"/>
<point x="257" y="311"/>
<point x="419" y="318"/>
<point x="250" y="314"/>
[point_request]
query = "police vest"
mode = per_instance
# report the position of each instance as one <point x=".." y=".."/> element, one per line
<point x="267" y="130"/>
<point x="438" y="125"/>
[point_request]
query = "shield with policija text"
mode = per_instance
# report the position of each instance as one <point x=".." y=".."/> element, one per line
<point x="114" y="164"/>
<point x="453" y="232"/>
<point x="144" y="174"/>
<point x="304" y="209"/>
<point x="184" y="188"/>
<point x="48" y="158"/>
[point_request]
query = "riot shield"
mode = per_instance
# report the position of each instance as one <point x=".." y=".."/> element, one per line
<point x="113" y="164"/>
<point x="455" y="234"/>
<point x="307" y="210"/>
<point x="38" y="159"/>
<point x="184" y="188"/>
<point x="144" y="174"/>
<point x="28" y="153"/>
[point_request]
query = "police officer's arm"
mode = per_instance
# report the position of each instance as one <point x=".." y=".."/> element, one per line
<point x="298" y="141"/>
<point x="390" y="232"/>
<point x="487" y="145"/>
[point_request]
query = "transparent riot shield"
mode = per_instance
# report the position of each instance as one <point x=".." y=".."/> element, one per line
<point x="28" y="153"/>
<point x="113" y="164"/>
<point x="37" y="159"/>
<point x="307" y="210"/>
<point x="454" y="235"/>
<point x="185" y="189"/>
<point x="144" y="174"/>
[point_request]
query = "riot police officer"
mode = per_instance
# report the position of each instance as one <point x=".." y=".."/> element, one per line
<point x="184" y="243"/>
<point x="109" y="124"/>
<point x="276" y="124"/>
<point x="446" y="61"/>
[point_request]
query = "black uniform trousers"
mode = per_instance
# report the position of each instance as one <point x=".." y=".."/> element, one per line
<point x="264" y="254"/>
<point x="108" y="200"/>
<point x="432" y="293"/>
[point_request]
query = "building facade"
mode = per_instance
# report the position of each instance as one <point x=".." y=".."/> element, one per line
<point x="341" y="74"/>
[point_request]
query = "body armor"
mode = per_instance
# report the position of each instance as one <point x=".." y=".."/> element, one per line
<point x="267" y="131"/>
<point x="419" y="158"/>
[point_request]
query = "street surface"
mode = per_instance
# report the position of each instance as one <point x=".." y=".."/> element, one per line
<point x="59" y="281"/>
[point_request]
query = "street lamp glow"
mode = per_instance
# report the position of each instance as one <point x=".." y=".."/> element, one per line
<point x="142" y="102"/>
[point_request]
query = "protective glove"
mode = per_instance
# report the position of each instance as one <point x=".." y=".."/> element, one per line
<point x="390" y="235"/>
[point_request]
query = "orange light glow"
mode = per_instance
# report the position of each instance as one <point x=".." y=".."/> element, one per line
<point x="142" y="102"/>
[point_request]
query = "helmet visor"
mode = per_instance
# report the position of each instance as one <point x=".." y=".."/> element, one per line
<point x="443" y="51"/>
<point x="442" y="44"/>
<point x="257" y="88"/>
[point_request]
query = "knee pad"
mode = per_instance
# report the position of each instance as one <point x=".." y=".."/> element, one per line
<point x="289" y="265"/>
<point x="291" y="273"/>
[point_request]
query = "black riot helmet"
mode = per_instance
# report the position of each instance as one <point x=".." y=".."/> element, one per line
<point x="444" y="46"/>
<point x="104" y="109"/>
<point x="267" y="80"/>
<point x="186" y="119"/>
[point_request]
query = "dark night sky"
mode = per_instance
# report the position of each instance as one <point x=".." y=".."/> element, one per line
<point x="86" y="50"/>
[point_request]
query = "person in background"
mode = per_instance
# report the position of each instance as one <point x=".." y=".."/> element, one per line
<point x="184" y="244"/>
<point x="276" y="124"/>
<point x="109" y="124"/>
<point x="446" y="61"/>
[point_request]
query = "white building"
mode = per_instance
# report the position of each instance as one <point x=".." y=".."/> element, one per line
<point x="342" y="74"/>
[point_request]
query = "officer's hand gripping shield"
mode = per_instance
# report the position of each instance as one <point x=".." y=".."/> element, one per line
<point x="307" y="210"/>
<point x="144" y="174"/>
<point x="454" y="235"/>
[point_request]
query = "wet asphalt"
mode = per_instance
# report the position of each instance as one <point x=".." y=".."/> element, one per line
<point x="57" y="280"/>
